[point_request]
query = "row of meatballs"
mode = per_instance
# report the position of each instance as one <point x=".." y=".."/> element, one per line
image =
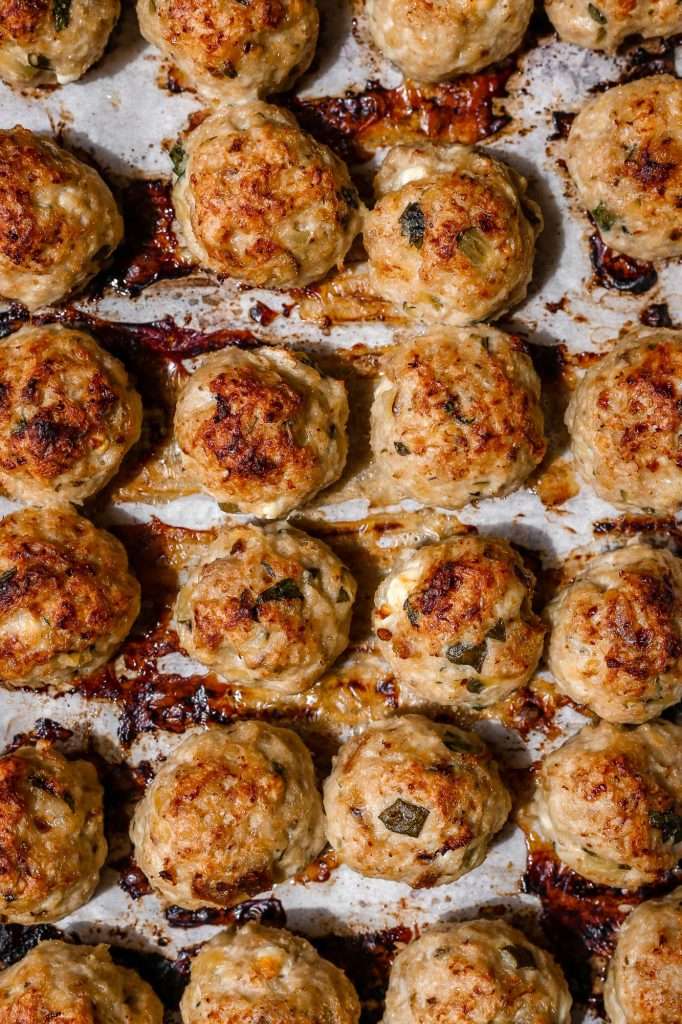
<point x="472" y="971"/>
<point x="450" y="239"/>
<point x="456" y="417"/>
<point x="257" y="47"/>
<point x="235" y="809"/>
<point x="271" y="608"/>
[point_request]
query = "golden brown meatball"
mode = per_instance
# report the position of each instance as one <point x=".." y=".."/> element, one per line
<point x="44" y="42"/>
<point x="260" y="974"/>
<point x="432" y="41"/>
<point x="64" y="984"/>
<point x="260" y="200"/>
<point x="58" y="220"/>
<point x="625" y="421"/>
<point x="451" y="238"/>
<point x="231" y="812"/>
<point x="68" y="415"/>
<point x="456" y="416"/>
<point x="604" y="25"/>
<point x="616" y="640"/>
<point x="624" y="153"/>
<point x="454" y="621"/>
<point x="52" y="842"/>
<point x="67" y="599"/>
<point x="482" y="971"/>
<point x="415" y="802"/>
<point x="610" y="802"/>
<point x="644" y="983"/>
<point x="262" y="431"/>
<point x="228" y="49"/>
<point x="268" y="607"/>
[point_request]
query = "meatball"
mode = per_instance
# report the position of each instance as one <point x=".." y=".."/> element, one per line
<point x="67" y="984"/>
<point x="44" y="42"/>
<point x="59" y="222"/>
<point x="451" y="238"/>
<point x="457" y="416"/>
<point x="51" y="834"/>
<point x="232" y="811"/>
<point x="625" y="421"/>
<point x="454" y="620"/>
<point x="478" y="970"/>
<point x="260" y="974"/>
<point x="268" y="607"/>
<point x="610" y="802"/>
<point x="644" y="983"/>
<point x="433" y="41"/>
<point x="260" y="200"/>
<point x="262" y="431"/>
<point x="415" y="802"/>
<point x="228" y="50"/>
<point x="616" y="640"/>
<point x="608" y="23"/>
<point x="624" y="154"/>
<point x="68" y="415"/>
<point x="67" y="598"/>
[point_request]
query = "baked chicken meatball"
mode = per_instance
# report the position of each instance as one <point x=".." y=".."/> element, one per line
<point x="268" y="607"/>
<point x="48" y="42"/>
<point x="67" y="984"/>
<point x="259" y="974"/>
<point x="616" y="639"/>
<point x="68" y="415"/>
<point x="435" y="41"/>
<point x="262" y="431"/>
<point x="67" y="598"/>
<point x="625" y="421"/>
<point x="451" y="238"/>
<point x="610" y="802"/>
<point x="454" y="620"/>
<point x="644" y="982"/>
<point x="51" y="834"/>
<point x="624" y="153"/>
<point x="482" y="971"/>
<point x="59" y="222"/>
<point x="413" y="801"/>
<point x="229" y="48"/>
<point x="606" y="24"/>
<point x="260" y="200"/>
<point x="231" y="812"/>
<point x="457" y="416"/>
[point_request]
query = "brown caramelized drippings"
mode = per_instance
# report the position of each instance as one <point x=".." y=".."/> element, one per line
<point x="321" y="869"/>
<point x="556" y="483"/>
<point x="266" y="910"/>
<point x="561" y="122"/>
<point x="616" y="271"/>
<point x="132" y="879"/>
<point x="656" y="315"/>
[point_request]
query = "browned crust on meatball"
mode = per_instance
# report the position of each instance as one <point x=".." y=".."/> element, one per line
<point x="21" y="19"/>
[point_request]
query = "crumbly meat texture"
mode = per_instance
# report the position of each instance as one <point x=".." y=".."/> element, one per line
<point x="269" y="607"/>
<point x="455" y="622"/>
<point x="414" y="801"/>
<point x="258" y="973"/>
<point x="457" y="416"/>
<point x="48" y="42"/>
<point x="59" y="222"/>
<point x="616" y="634"/>
<point x="434" y="41"/>
<point x="67" y="598"/>
<point x="625" y="422"/>
<point x="644" y="982"/>
<point x="69" y="984"/>
<point x="624" y="153"/>
<point x="68" y="415"/>
<point x="52" y="844"/>
<point x="610" y="802"/>
<point x="477" y="971"/>
<point x="260" y="200"/>
<point x="451" y="238"/>
<point x="229" y="50"/>
<point x="262" y="431"/>
<point x="606" y="24"/>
